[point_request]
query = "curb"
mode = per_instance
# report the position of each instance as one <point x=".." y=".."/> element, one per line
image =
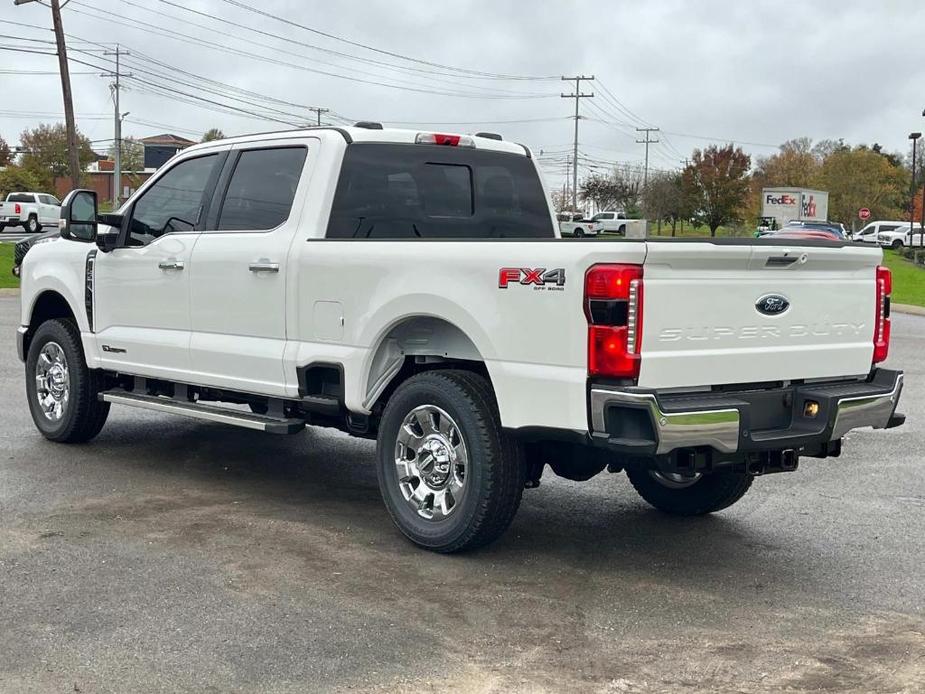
<point x="907" y="308"/>
<point x="9" y="291"/>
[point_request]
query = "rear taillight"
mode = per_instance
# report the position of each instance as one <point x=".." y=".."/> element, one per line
<point x="17" y="209"/>
<point x="613" y="306"/>
<point x="882" y="323"/>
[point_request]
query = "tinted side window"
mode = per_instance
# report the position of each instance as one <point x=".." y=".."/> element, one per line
<point x="426" y="191"/>
<point x="888" y="227"/>
<point x="262" y="188"/>
<point x="173" y="203"/>
<point x="20" y="197"/>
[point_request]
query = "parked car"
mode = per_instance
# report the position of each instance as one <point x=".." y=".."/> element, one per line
<point x="31" y="211"/>
<point x="804" y="234"/>
<point x="301" y="273"/>
<point x="22" y="247"/>
<point x="870" y="232"/>
<point x="577" y="225"/>
<point x="901" y="236"/>
<point x="835" y="228"/>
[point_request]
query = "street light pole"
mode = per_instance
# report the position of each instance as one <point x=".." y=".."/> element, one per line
<point x="914" y="137"/>
<point x="72" y="153"/>
<point x="923" y="194"/>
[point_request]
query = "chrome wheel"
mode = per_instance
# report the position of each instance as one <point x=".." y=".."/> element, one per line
<point x="32" y="225"/>
<point x="432" y="462"/>
<point x="675" y="480"/>
<point x="52" y="381"/>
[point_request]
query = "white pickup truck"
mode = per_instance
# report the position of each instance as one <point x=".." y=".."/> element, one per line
<point x="576" y="225"/>
<point x="31" y="211"/>
<point x="412" y="287"/>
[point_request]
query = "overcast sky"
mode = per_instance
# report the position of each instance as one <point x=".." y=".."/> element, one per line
<point x="755" y="73"/>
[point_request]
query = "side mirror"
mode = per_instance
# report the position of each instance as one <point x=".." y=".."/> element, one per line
<point x="78" y="216"/>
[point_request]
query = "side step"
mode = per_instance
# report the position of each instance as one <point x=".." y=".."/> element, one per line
<point x="210" y="413"/>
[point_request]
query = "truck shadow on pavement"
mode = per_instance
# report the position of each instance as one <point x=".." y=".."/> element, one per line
<point x="326" y="479"/>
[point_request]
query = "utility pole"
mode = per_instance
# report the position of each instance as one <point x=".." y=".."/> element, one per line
<point x="72" y="154"/>
<point x="647" y="141"/>
<point x="117" y="126"/>
<point x="577" y="96"/>
<point x="318" y="111"/>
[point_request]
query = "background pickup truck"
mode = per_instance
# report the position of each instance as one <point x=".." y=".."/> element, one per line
<point x="615" y="222"/>
<point x="577" y="225"/>
<point x="31" y="211"/>
<point x="411" y="287"/>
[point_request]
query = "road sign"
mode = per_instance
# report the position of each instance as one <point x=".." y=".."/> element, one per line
<point x="864" y="213"/>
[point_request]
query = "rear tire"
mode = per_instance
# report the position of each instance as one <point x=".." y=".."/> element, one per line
<point x="32" y="224"/>
<point x="691" y="497"/>
<point x="450" y="478"/>
<point x="62" y="391"/>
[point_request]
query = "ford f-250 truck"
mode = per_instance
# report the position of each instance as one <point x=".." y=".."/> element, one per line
<point x="412" y="287"/>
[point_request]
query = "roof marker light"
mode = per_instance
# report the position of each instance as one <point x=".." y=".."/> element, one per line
<point x="444" y="139"/>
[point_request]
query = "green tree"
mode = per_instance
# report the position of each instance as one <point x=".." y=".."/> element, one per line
<point x="15" y="178"/>
<point x="45" y="152"/>
<point x="6" y="154"/>
<point x="716" y="183"/>
<point x="861" y="177"/>
<point x="213" y="134"/>
<point x="133" y="155"/>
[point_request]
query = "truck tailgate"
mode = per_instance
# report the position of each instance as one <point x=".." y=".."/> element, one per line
<point x="702" y="325"/>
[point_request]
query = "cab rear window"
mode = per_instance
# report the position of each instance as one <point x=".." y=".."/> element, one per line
<point x="20" y="197"/>
<point x="404" y="191"/>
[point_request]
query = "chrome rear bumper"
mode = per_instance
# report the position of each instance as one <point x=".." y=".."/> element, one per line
<point x="746" y="421"/>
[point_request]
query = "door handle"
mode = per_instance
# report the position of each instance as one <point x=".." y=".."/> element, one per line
<point x="263" y="266"/>
<point x="171" y="264"/>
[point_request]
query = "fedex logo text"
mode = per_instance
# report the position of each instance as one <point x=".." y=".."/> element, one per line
<point x="539" y="277"/>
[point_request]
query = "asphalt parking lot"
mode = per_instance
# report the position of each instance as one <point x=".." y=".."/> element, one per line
<point x="175" y="555"/>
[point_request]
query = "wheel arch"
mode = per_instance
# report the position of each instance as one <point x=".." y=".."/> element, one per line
<point x="48" y="304"/>
<point x="416" y="343"/>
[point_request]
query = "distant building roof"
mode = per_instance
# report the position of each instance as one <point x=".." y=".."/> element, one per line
<point x="167" y="139"/>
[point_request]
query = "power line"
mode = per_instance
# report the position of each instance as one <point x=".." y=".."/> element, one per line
<point x="329" y="51"/>
<point x="184" y="37"/>
<point x="381" y="51"/>
<point x="314" y="61"/>
<point x="620" y="106"/>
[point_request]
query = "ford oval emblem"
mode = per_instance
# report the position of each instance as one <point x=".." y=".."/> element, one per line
<point x="772" y="304"/>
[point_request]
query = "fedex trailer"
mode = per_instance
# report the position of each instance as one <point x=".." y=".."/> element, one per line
<point x="789" y="204"/>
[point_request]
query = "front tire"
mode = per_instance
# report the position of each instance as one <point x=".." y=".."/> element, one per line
<point x="32" y="224"/>
<point x="450" y="478"/>
<point x="689" y="496"/>
<point x="579" y="233"/>
<point x="61" y="390"/>
<point x="896" y="245"/>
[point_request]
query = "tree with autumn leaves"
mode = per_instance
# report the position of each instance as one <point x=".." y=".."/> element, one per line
<point x="715" y="184"/>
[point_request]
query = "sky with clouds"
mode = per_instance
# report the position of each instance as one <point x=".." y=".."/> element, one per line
<point x="755" y="73"/>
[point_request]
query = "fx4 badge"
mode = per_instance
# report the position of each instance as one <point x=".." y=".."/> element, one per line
<point x="539" y="277"/>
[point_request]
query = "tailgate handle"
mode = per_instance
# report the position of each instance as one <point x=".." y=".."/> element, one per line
<point x="781" y="261"/>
